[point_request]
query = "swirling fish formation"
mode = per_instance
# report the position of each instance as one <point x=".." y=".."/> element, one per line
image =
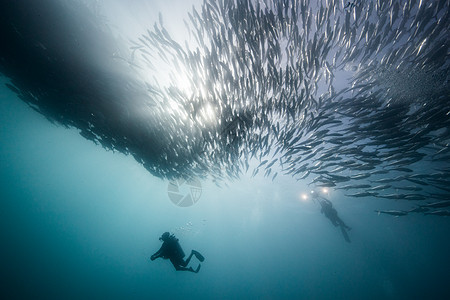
<point x="352" y="95"/>
<point x="268" y="70"/>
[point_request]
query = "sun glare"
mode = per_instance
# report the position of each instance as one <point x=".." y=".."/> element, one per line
<point x="208" y="114"/>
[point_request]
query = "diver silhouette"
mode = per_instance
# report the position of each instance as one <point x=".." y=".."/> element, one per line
<point x="331" y="213"/>
<point x="172" y="250"/>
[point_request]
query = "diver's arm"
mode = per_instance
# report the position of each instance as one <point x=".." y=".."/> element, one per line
<point x="157" y="254"/>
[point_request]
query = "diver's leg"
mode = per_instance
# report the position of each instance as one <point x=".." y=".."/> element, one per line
<point x="185" y="263"/>
<point x="345" y="234"/>
<point x="189" y="269"/>
<point x="180" y="265"/>
<point x="346" y="226"/>
<point x="180" y="268"/>
<point x="343" y="224"/>
<point x="333" y="221"/>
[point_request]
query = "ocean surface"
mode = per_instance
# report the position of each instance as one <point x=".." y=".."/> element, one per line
<point x="80" y="220"/>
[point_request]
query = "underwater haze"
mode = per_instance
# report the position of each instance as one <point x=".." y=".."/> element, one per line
<point x="230" y="124"/>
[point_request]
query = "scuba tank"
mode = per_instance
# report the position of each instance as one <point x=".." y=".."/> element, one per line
<point x="175" y="248"/>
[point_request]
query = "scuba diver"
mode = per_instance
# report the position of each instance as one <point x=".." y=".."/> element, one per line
<point x="331" y="213"/>
<point x="172" y="250"/>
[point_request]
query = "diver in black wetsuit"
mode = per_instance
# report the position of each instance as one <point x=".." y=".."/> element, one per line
<point x="172" y="250"/>
<point x="331" y="213"/>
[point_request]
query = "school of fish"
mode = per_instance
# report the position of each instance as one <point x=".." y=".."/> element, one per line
<point x="350" y="95"/>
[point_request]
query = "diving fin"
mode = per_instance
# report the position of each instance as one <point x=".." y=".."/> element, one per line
<point x="198" y="268"/>
<point x="345" y="234"/>
<point x="198" y="255"/>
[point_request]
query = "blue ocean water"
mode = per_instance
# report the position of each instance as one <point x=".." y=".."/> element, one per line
<point x="79" y="222"/>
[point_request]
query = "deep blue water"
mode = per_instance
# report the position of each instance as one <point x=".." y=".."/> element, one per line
<point x="78" y="222"/>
